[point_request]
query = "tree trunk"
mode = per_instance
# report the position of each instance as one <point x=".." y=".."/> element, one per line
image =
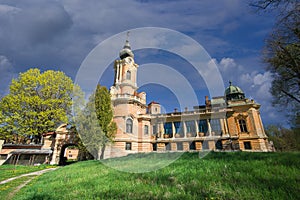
<point x="102" y="152"/>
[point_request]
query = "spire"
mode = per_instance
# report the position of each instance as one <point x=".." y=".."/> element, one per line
<point x="127" y="34"/>
<point x="126" y="51"/>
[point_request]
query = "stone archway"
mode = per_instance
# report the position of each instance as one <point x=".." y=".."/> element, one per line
<point x="62" y="158"/>
<point x="60" y="139"/>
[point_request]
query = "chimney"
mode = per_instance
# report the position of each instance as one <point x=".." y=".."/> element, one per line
<point x="207" y="101"/>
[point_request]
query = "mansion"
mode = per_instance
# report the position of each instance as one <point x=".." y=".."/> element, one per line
<point x="229" y="122"/>
<point x="225" y="123"/>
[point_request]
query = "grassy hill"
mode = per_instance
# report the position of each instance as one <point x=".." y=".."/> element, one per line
<point x="237" y="175"/>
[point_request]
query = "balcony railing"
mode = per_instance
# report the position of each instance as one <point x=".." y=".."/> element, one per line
<point x="128" y="97"/>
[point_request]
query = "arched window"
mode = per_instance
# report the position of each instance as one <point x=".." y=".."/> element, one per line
<point x="129" y="125"/>
<point x="243" y="125"/>
<point x="128" y="75"/>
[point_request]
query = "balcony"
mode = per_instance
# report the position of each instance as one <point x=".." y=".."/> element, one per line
<point x="128" y="97"/>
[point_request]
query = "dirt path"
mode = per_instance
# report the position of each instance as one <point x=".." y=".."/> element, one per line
<point x="29" y="174"/>
<point x="12" y="194"/>
<point x="33" y="174"/>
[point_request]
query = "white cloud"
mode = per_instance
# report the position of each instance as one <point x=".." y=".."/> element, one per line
<point x="59" y="34"/>
<point x="260" y="79"/>
<point x="227" y="64"/>
<point x="4" y="9"/>
<point x="255" y="84"/>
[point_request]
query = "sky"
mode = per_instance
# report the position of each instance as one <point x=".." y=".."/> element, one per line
<point x="60" y="34"/>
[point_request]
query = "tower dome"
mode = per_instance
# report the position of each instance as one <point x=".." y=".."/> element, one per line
<point x="126" y="51"/>
<point x="234" y="92"/>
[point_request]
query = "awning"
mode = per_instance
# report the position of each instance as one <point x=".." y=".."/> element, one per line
<point x="31" y="151"/>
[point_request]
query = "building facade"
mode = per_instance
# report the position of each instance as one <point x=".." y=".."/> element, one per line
<point x="229" y="122"/>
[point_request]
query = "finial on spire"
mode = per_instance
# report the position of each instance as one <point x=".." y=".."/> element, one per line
<point x="230" y="83"/>
<point x="126" y="51"/>
<point x="127" y="38"/>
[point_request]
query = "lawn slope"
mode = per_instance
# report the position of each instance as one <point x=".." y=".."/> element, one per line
<point x="237" y="175"/>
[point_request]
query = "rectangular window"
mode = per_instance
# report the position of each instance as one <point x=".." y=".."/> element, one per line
<point x="243" y="126"/>
<point x="205" y="145"/>
<point x="178" y="127"/>
<point x="146" y="129"/>
<point x="128" y="146"/>
<point x="179" y="146"/>
<point x="154" y="129"/>
<point x="168" y="146"/>
<point x="216" y="126"/>
<point x="168" y="128"/>
<point x="190" y="127"/>
<point x="193" y="146"/>
<point x="202" y="126"/>
<point x="154" y="146"/>
<point x="247" y="145"/>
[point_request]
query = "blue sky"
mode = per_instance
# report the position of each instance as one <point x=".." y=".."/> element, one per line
<point x="59" y="34"/>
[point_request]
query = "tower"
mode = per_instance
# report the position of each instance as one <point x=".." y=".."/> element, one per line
<point x="129" y="106"/>
<point x="125" y="71"/>
<point x="124" y="90"/>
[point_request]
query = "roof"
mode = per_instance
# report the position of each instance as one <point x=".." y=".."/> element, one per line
<point x="6" y="151"/>
<point x="153" y="102"/>
<point x="126" y="51"/>
<point x="231" y="89"/>
<point x="49" y="133"/>
<point x="31" y="151"/>
<point x="218" y="100"/>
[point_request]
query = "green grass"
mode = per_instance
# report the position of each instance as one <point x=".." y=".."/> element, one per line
<point x="7" y="189"/>
<point x="238" y="175"/>
<point x="9" y="171"/>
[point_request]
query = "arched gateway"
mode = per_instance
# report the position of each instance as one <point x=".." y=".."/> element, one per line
<point x="58" y="141"/>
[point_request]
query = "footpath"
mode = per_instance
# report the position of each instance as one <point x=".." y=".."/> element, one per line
<point x="31" y="174"/>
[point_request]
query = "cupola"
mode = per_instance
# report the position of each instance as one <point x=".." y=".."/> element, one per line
<point x="126" y="51"/>
<point x="234" y="93"/>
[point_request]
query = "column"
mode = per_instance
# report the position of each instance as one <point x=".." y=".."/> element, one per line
<point x="121" y="72"/>
<point x="184" y="129"/>
<point x="226" y="126"/>
<point x="118" y="72"/>
<point x="196" y="128"/>
<point x="161" y="129"/>
<point x="173" y="129"/>
<point x="209" y="127"/>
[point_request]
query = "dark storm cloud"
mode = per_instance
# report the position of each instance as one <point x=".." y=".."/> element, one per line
<point x="59" y="34"/>
<point x="30" y="23"/>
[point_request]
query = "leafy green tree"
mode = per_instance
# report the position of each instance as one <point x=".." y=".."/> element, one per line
<point x="284" y="139"/>
<point x="37" y="103"/>
<point x="104" y="115"/>
<point x="3" y="135"/>
<point x="282" y="55"/>
<point x="94" y="122"/>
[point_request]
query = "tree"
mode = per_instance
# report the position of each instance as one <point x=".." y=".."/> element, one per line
<point x="104" y="115"/>
<point x="284" y="139"/>
<point x="37" y="103"/>
<point x="94" y="122"/>
<point x="282" y="55"/>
